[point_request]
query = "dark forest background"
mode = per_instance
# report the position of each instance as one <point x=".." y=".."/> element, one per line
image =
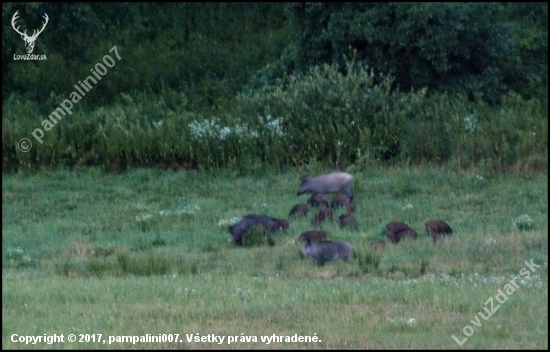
<point x="245" y="85"/>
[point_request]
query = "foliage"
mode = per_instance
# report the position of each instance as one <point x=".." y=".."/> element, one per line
<point x="322" y="115"/>
<point x="477" y="49"/>
<point x="205" y="50"/>
<point x="340" y="114"/>
<point x="348" y="119"/>
<point x="206" y="86"/>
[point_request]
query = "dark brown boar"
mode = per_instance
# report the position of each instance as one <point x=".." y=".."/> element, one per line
<point x="318" y="200"/>
<point x="239" y="230"/>
<point x="397" y="230"/>
<point x="299" y="210"/>
<point x="348" y="221"/>
<point x="322" y="215"/>
<point x="340" y="200"/>
<point x="437" y="228"/>
<point x="313" y="236"/>
<point x="282" y="224"/>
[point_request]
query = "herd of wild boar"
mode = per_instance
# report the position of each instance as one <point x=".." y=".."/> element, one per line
<point x="316" y="243"/>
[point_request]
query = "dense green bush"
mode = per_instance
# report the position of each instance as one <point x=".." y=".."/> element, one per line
<point x="330" y="116"/>
<point x="323" y="115"/>
<point x="477" y="49"/>
<point x="347" y="118"/>
<point x="139" y="130"/>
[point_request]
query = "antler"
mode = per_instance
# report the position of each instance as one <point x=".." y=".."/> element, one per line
<point x="43" y="26"/>
<point x="34" y="34"/>
<point x="13" y="19"/>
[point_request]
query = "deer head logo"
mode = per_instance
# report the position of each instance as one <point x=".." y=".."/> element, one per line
<point x="29" y="41"/>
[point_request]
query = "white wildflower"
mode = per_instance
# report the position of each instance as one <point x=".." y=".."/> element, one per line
<point x="224" y="133"/>
<point x="144" y="217"/>
<point x="523" y="222"/>
<point x="470" y="123"/>
<point x="231" y="221"/>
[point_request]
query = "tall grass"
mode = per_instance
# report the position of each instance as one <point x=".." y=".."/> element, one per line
<point x="150" y="252"/>
<point x="147" y="210"/>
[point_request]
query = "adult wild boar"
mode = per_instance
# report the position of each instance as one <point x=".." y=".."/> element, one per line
<point x="239" y="230"/>
<point x="436" y="228"/>
<point x="323" y="251"/>
<point x="327" y="183"/>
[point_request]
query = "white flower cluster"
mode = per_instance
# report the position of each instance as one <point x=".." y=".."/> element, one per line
<point x="186" y="292"/>
<point x="523" y="222"/>
<point x="407" y="321"/>
<point x="529" y="281"/>
<point x="15" y="251"/>
<point x="470" y="123"/>
<point x="17" y="254"/>
<point x="231" y="221"/>
<point x="212" y="129"/>
<point x="275" y="126"/>
<point x="204" y="128"/>
<point x="188" y="209"/>
<point x="242" y="294"/>
<point x="144" y="217"/>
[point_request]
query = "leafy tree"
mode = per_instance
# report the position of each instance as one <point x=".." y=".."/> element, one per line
<point x="207" y="50"/>
<point x="449" y="47"/>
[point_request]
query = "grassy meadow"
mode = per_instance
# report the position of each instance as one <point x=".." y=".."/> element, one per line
<point x="149" y="252"/>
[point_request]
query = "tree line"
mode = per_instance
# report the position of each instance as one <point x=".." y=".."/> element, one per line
<point x="246" y="68"/>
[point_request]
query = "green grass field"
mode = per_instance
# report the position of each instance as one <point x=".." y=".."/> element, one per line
<point x="149" y="252"/>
